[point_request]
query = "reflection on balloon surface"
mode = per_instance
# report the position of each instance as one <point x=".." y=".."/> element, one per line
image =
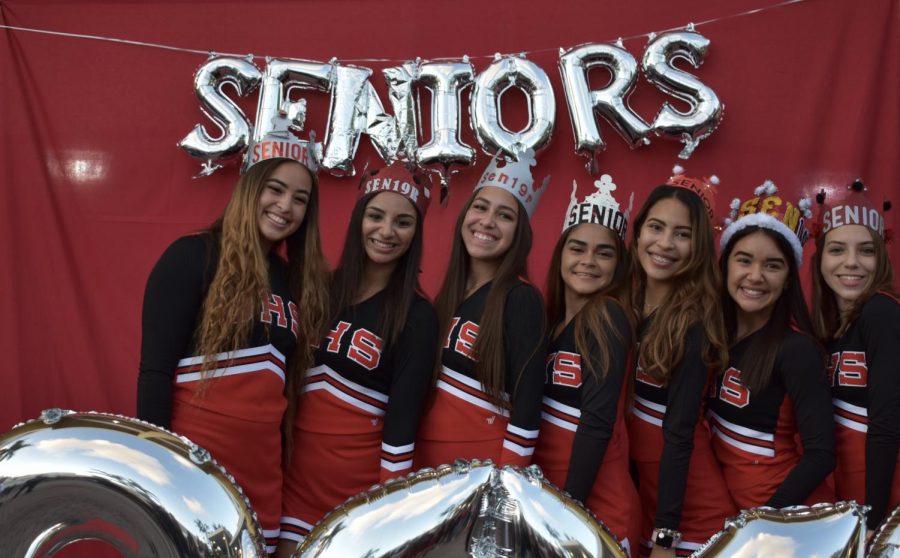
<point x="468" y="509"/>
<point x="143" y="490"/>
<point x="821" y="530"/>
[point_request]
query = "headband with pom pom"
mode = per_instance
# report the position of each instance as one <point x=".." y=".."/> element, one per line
<point x="768" y="210"/>
<point x="705" y="187"/>
<point x="852" y="208"/>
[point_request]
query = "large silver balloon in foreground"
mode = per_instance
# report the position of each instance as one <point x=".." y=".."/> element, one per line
<point x="824" y="530"/>
<point x="145" y="491"/>
<point x="468" y="509"/>
<point x="886" y="540"/>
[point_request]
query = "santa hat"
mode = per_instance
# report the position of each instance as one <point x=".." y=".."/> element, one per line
<point x="768" y="210"/>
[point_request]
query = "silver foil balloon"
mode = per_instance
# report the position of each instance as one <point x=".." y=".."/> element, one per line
<point x="427" y="513"/>
<point x="826" y="530"/>
<point x="705" y="108"/>
<point x="400" y="82"/>
<point x="610" y="102"/>
<point x="468" y="509"/>
<point x="486" y="114"/>
<point x="279" y="80"/>
<point x="145" y="491"/>
<point x="886" y="540"/>
<point x="524" y="515"/>
<point x="346" y="118"/>
<point x="233" y="125"/>
<point x="445" y="81"/>
<point x="394" y="137"/>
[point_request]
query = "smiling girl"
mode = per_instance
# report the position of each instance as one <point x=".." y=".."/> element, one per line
<point x="680" y="339"/>
<point x="361" y="401"/>
<point x="857" y="314"/>
<point x="583" y="446"/>
<point x="774" y="388"/>
<point x="222" y="316"/>
<point x="488" y="396"/>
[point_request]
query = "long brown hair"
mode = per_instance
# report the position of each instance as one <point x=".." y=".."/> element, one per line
<point x="402" y="285"/>
<point x="827" y="321"/>
<point x="241" y="282"/>
<point x="696" y="284"/>
<point x="789" y="311"/>
<point x="594" y="319"/>
<point x="489" y="351"/>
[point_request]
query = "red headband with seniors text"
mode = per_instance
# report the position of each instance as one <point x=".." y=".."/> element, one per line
<point x="705" y="188"/>
<point x="852" y="208"/>
<point x="397" y="178"/>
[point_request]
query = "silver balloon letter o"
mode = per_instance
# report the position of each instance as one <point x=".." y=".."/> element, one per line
<point x="141" y="489"/>
<point x="485" y="108"/>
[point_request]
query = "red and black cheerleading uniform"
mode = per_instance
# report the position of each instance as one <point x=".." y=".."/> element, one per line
<point x="358" y="412"/>
<point x="235" y="413"/>
<point x="755" y="435"/>
<point x="463" y="422"/>
<point x="864" y="369"/>
<point x="680" y="483"/>
<point x="583" y="443"/>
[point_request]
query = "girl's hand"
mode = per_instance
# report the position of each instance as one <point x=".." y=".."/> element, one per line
<point x="660" y="552"/>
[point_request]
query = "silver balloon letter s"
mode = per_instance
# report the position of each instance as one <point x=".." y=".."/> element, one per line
<point x="486" y="115"/>
<point x="209" y="80"/>
<point x="705" y="108"/>
<point x="610" y="102"/>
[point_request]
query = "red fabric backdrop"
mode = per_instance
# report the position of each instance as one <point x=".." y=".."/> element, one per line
<point x="94" y="187"/>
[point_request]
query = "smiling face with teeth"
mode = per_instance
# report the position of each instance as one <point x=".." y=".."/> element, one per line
<point x="756" y="276"/>
<point x="848" y="263"/>
<point x="664" y="241"/>
<point x="282" y="203"/>
<point x="588" y="261"/>
<point x="489" y="225"/>
<point x="388" y="228"/>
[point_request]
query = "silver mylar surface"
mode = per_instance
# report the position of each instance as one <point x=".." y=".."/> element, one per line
<point x="427" y="513"/>
<point x="523" y="515"/>
<point x="705" y="108"/>
<point x="445" y="81"/>
<point x="346" y="118"/>
<point x="886" y="541"/>
<point x="145" y="491"/>
<point x="824" y="530"/>
<point x="233" y="125"/>
<point x="279" y="79"/>
<point x="610" y="102"/>
<point x="468" y="509"/>
<point x="487" y="117"/>
<point x="400" y="82"/>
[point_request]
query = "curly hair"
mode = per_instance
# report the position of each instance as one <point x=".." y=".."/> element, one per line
<point x="695" y="290"/>
<point x="241" y="284"/>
